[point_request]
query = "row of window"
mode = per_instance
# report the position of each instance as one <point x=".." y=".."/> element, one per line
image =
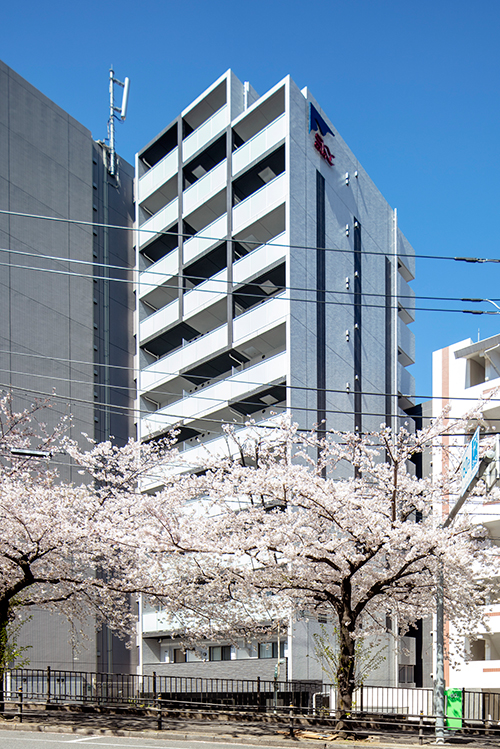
<point x="223" y="652"/>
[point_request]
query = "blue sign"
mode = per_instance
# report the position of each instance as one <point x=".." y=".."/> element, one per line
<point x="470" y="462"/>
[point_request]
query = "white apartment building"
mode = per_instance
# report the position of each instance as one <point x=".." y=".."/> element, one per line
<point x="463" y="373"/>
<point x="273" y="277"/>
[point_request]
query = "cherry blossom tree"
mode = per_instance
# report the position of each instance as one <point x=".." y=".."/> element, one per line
<point x="351" y="534"/>
<point x="79" y="549"/>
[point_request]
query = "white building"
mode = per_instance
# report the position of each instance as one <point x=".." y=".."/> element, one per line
<point x="462" y="374"/>
<point x="273" y="277"/>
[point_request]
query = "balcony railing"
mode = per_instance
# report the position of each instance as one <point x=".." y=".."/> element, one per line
<point x="216" y="396"/>
<point x="192" y="351"/>
<point x="158" y="175"/>
<point x="262" y="142"/>
<point x="204" y="188"/>
<point x="159" y="273"/>
<point x="202" y="135"/>
<point x="262" y="201"/>
<point x="157" y="223"/>
<point x="204" y="239"/>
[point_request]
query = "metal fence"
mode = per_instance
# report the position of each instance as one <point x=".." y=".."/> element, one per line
<point x="55" y="686"/>
<point x="407" y="701"/>
<point x="52" y="686"/>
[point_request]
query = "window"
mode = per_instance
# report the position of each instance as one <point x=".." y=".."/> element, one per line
<point x="220" y="653"/>
<point x="270" y="650"/>
<point x="406" y="674"/>
<point x="179" y="656"/>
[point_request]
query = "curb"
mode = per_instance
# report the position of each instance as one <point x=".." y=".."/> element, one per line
<point x="270" y="740"/>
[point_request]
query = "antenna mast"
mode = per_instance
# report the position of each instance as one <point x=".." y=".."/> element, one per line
<point x="112" y="166"/>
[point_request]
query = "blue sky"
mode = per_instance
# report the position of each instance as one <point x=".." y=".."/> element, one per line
<point x="412" y="87"/>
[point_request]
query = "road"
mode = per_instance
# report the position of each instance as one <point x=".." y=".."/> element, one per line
<point x="31" y="740"/>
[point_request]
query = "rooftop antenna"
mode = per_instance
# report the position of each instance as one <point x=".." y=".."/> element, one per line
<point x="112" y="167"/>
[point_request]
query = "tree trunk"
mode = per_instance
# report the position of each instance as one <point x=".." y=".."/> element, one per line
<point x="346" y="676"/>
<point x="4" y="622"/>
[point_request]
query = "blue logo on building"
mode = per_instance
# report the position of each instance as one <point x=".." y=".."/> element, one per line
<point x="316" y="121"/>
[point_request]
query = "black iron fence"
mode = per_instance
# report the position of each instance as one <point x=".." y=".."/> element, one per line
<point x="56" y="687"/>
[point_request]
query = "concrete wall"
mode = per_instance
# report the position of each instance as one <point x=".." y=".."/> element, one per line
<point x="244" y="668"/>
<point x="52" y="310"/>
<point x="359" y="199"/>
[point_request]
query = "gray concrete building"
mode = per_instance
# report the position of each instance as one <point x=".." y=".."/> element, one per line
<point x="67" y="326"/>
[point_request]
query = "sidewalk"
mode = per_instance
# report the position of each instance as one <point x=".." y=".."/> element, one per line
<point x="263" y="734"/>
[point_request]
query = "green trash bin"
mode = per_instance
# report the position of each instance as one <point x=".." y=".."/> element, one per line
<point x="454" y="708"/>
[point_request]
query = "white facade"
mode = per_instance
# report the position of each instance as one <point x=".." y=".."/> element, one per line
<point x="273" y="275"/>
<point x="463" y="374"/>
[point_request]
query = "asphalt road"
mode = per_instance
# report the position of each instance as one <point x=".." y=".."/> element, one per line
<point x="31" y="740"/>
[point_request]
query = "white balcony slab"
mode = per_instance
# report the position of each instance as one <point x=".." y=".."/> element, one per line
<point x="159" y="273"/>
<point x="262" y="142"/>
<point x="158" y="175"/>
<point x="207" y="293"/>
<point x="203" y="134"/>
<point x="160" y="221"/>
<point x="205" y="188"/>
<point x="261" y="202"/>
<point x="168" y="366"/>
<point x="261" y="318"/>
<point x="205" y="238"/>
<point x="204" y="402"/>
<point x="159" y="320"/>
<point x="259" y="259"/>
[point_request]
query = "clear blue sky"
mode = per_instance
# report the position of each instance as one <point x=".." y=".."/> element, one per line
<point x="413" y="87"/>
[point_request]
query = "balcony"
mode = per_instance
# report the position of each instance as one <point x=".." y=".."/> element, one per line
<point x="158" y="273"/>
<point x="406" y="344"/>
<point x="205" y="294"/>
<point x="205" y="133"/>
<point x="196" y="453"/>
<point x="406" y="298"/>
<point x="205" y="188"/>
<point x="204" y="239"/>
<point x="182" y="358"/>
<point x="406" y="382"/>
<point x="260" y="203"/>
<point x="157" y="223"/>
<point x="258" y="259"/>
<point x="158" y="150"/>
<point x="256" y="147"/>
<point x="218" y="395"/>
<point x="250" y="122"/>
<point x="259" y="319"/>
<point x="159" y="320"/>
<point x="158" y="175"/>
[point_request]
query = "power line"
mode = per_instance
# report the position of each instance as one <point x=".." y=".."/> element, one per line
<point x="212" y="280"/>
<point x="125" y="410"/>
<point x="137" y="371"/>
<point x="186" y="419"/>
<point x="254" y="295"/>
<point x="219" y="239"/>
